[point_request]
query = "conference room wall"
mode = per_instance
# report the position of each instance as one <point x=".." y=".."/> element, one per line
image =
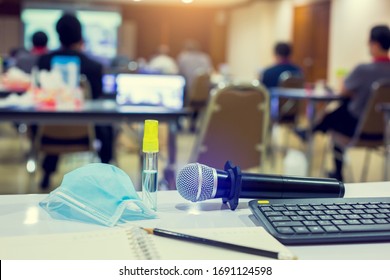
<point x="350" y="25"/>
<point x="143" y="28"/>
<point x="261" y="24"/>
<point x="253" y="30"/>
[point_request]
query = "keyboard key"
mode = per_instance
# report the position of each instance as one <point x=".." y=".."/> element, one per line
<point x="278" y="208"/>
<point x="303" y="213"/>
<point x="380" y="221"/>
<point x="287" y="224"/>
<point x="297" y="218"/>
<point x="331" y="212"/>
<point x="359" y="206"/>
<point x="384" y="210"/>
<point x="354" y="217"/>
<point x="367" y="216"/>
<point x="319" y="207"/>
<point x="331" y="228"/>
<point x="346" y="207"/>
<point x="301" y="230"/>
<point x="345" y="212"/>
<point x="326" y="217"/>
<point x="371" y="211"/>
<point x="317" y="213"/>
<point x="357" y="228"/>
<point x="310" y="223"/>
<point x="352" y="222"/>
<point x="325" y="223"/>
<point x="285" y="230"/>
<point x="270" y="213"/>
<point x="292" y="208"/>
<point x="340" y="217"/>
<point x="339" y="222"/>
<point x="315" y="229"/>
<point x="279" y="219"/>
<point x="372" y="206"/>
<point x="265" y="208"/>
<point x="333" y="207"/>
<point x="312" y="218"/>
<point x="380" y="216"/>
<point x="305" y="207"/>
<point x="367" y="221"/>
<point x="358" y="211"/>
<point x="289" y="213"/>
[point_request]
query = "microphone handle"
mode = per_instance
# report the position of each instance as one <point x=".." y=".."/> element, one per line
<point x="276" y="186"/>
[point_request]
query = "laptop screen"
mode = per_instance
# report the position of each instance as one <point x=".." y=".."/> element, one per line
<point x="150" y="90"/>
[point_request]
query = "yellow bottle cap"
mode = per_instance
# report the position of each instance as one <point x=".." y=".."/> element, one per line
<point x="150" y="141"/>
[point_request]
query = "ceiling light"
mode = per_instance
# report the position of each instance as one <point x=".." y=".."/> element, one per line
<point x="187" y="1"/>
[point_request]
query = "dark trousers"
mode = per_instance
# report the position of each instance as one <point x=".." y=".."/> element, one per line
<point x="104" y="134"/>
<point x="340" y="121"/>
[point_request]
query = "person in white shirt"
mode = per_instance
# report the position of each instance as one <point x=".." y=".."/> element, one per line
<point x="162" y="62"/>
<point x="191" y="60"/>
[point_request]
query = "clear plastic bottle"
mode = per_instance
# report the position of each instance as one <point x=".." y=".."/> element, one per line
<point x="150" y="160"/>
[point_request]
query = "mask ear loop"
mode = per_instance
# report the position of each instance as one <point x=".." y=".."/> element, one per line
<point x="144" y="210"/>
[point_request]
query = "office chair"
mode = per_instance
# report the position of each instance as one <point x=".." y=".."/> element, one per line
<point x="288" y="108"/>
<point x="287" y="112"/>
<point x="234" y="127"/>
<point x="369" y="133"/>
<point x="198" y="96"/>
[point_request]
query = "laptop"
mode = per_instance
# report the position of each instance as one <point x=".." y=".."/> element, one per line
<point x="165" y="91"/>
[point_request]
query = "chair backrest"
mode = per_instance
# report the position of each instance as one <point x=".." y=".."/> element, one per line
<point x="59" y="139"/>
<point x="291" y="80"/>
<point x="199" y="90"/>
<point x="371" y="126"/>
<point x="288" y="108"/>
<point x="234" y="127"/>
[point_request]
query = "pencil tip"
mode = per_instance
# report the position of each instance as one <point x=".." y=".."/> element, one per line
<point x="148" y="230"/>
<point x="286" y="256"/>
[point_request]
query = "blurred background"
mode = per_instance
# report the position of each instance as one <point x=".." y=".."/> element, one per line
<point x="329" y="38"/>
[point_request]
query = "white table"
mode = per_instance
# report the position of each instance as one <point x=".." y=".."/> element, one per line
<point x="20" y="215"/>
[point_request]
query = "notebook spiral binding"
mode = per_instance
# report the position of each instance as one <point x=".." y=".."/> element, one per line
<point x="142" y="244"/>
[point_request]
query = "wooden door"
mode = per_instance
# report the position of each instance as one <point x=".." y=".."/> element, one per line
<point x="310" y="39"/>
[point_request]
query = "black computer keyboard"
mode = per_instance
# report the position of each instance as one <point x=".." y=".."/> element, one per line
<point x="329" y="220"/>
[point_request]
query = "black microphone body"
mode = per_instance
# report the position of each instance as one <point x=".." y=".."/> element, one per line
<point x="276" y="186"/>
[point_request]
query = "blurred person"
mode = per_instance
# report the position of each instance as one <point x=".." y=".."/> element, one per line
<point x="27" y="60"/>
<point x="191" y="60"/>
<point x="356" y="90"/>
<point x="162" y="62"/>
<point x="271" y="75"/>
<point x="69" y="32"/>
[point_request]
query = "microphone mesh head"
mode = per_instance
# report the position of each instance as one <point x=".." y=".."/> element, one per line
<point x="196" y="182"/>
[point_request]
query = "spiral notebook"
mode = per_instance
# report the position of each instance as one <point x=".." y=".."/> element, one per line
<point x="135" y="244"/>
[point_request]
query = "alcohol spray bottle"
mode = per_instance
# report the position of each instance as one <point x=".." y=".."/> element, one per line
<point x="149" y="168"/>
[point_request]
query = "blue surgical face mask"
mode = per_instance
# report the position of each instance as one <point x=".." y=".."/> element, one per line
<point x="97" y="193"/>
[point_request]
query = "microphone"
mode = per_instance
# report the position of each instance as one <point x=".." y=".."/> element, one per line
<point x="198" y="182"/>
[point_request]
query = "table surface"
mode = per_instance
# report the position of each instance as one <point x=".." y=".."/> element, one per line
<point x="97" y="111"/>
<point x="20" y="215"/>
<point x="302" y="93"/>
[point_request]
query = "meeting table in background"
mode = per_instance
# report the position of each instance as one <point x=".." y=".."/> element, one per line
<point x="313" y="98"/>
